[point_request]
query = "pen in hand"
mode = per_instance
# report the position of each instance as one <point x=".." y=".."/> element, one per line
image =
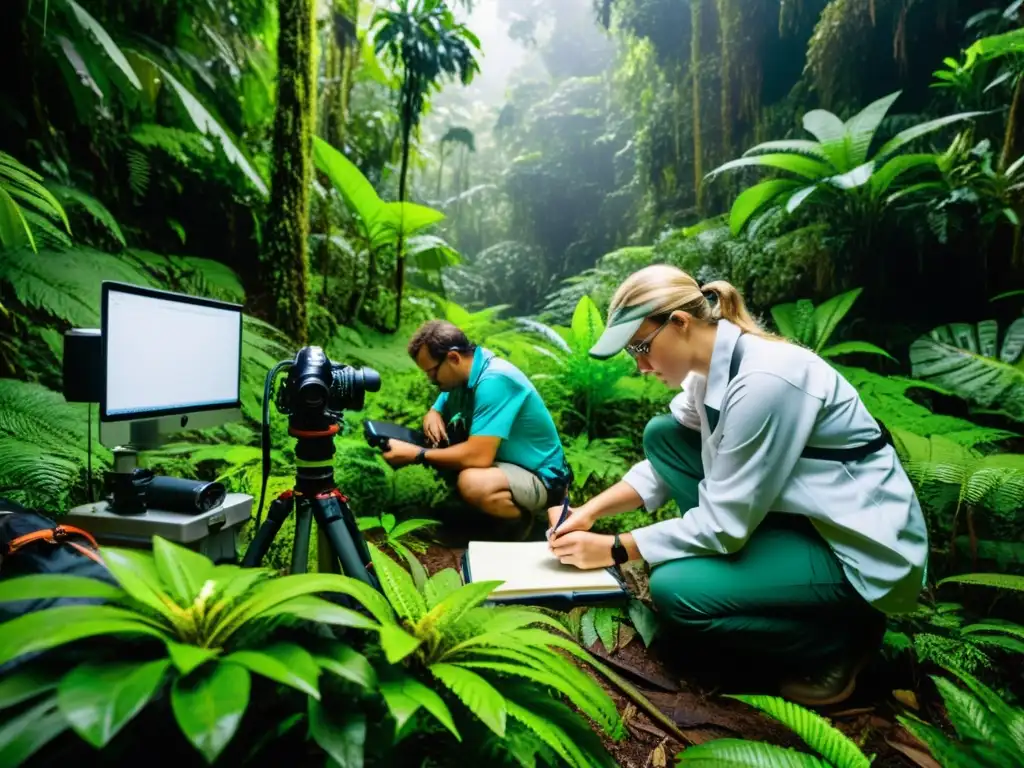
<point x="562" y="518"/>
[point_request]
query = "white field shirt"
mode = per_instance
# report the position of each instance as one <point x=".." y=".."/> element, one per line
<point x="781" y="399"/>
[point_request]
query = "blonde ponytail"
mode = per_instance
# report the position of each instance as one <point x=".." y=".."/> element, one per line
<point x="730" y="305"/>
<point x="666" y="288"/>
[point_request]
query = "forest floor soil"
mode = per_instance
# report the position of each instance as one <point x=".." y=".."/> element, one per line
<point x="702" y="712"/>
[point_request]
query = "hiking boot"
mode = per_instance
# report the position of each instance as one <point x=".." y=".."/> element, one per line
<point x="831" y="685"/>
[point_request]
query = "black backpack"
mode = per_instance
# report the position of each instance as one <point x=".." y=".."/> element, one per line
<point x="31" y="542"/>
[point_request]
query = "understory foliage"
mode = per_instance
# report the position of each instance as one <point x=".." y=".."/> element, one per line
<point x="854" y="168"/>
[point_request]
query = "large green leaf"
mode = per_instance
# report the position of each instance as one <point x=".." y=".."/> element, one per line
<point x="830" y="131"/>
<point x="181" y="570"/>
<point x="807" y="167"/>
<point x="99" y="699"/>
<point x="428" y="698"/>
<point x="440" y="585"/>
<point x="587" y="325"/>
<point x="396" y="642"/>
<point x="394" y="219"/>
<point x="103" y="38"/>
<point x="323" y="611"/>
<point x="136" y="571"/>
<point x="903" y="138"/>
<point x="829" y="314"/>
<point x="348" y="180"/>
<point x="54" y="627"/>
<point x="209" y="706"/>
<point x="272" y="593"/>
<point x="962" y="358"/>
<point x="753" y="199"/>
<point x="27" y="732"/>
<point x="479" y="696"/>
<point x="861" y="128"/>
<point x="46" y="585"/>
<point x="347" y="663"/>
<point x="884" y="177"/>
<point x="817" y="732"/>
<point x="854" y="347"/>
<point x="207" y="124"/>
<point x="341" y="735"/>
<point x="285" y="663"/>
<point x="14" y="230"/>
<point x="794" y="146"/>
<point x="27" y="683"/>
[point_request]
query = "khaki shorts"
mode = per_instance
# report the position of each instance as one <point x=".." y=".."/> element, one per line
<point x="528" y="491"/>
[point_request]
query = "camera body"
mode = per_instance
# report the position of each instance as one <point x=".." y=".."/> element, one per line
<point x="317" y="388"/>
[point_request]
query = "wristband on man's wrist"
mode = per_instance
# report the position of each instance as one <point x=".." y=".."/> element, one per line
<point x="421" y="457"/>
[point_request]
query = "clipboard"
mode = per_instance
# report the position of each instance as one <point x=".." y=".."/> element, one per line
<point x="562" y="600"/>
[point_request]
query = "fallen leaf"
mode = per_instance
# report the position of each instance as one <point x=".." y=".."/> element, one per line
<point x="906" y="698"/>
<point x="919" y="757"/>
<point x="658" y="757"/>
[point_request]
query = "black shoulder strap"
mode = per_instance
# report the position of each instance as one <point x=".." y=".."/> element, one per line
<point x="856" y="453"/>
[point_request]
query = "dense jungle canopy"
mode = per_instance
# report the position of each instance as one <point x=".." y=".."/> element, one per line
<point x="348" y="169"/>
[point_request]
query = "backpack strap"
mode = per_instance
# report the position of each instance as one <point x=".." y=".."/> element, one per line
<point x="57" y="535"/>
<point x="855" y="453"/>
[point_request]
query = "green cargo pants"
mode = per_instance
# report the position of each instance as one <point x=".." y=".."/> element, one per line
<point x="782" y="598"/>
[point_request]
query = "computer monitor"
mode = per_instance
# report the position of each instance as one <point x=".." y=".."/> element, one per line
<point x="170" y="362"/>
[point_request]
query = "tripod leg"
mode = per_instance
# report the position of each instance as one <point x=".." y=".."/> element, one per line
<point x="336" y="520"/>
<point x="326" y="562"/>
<point x="303" y="523"/>
<point x="279" y="510"/>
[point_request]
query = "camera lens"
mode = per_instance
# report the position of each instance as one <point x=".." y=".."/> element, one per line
<point x="371" y="380"/>
<point x="312" y="392"/>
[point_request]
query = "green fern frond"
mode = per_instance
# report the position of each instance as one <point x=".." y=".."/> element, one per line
<point x="738" y="752"/>
<point x="998" y="580"/>
<point x="186" y="147"/>
<point x="138" y="171"/>
<point x="45" y="233"/>
<point x="43" y="445"/>
<point x="817" y="732"/>
<point x="66" y="284"/>
<point x="887" y="400"/>
<point x="96" y="209"/>
<point x="21" y="190"/>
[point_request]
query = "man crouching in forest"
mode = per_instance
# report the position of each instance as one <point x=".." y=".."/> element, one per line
<point x="489" y="429"/>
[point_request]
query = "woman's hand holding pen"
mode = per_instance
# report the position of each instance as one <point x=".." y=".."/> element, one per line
<point x="579" y="519"/>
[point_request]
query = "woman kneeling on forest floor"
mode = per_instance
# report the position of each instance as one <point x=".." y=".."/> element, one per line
<point x="799" y="530"/>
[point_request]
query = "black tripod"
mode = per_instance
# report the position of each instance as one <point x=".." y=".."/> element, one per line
<point x="315" y="497"/>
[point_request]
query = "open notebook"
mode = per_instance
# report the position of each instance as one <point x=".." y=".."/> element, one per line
<point x="531" y="574"/>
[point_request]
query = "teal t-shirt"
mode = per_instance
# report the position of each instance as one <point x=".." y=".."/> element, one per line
<point x="507" y="405"/>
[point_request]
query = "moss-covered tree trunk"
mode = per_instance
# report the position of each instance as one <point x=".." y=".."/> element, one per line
<point x="695" y="67"/>
<point x="286" y="256"/>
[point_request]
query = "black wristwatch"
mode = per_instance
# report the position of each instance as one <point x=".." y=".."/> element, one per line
<point x="421" y="457"/>
<point x="619" y="553"/>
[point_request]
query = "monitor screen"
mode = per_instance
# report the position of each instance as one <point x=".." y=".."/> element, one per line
<point x="166" y="353"/>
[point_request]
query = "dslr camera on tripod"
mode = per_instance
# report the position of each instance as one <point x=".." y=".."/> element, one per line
<point x="314" y="396"/>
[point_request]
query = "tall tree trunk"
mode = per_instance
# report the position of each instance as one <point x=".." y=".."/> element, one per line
<point x="407" y="117"/>
<point x="286" y="256"/>
<point x="698" y="165"/>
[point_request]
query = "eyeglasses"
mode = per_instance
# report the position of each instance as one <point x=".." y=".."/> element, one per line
<point x="644" y="347"/>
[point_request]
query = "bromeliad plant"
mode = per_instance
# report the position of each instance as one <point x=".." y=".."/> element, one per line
<point x="178" y="626"/>
<point x="482" y="656"/>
